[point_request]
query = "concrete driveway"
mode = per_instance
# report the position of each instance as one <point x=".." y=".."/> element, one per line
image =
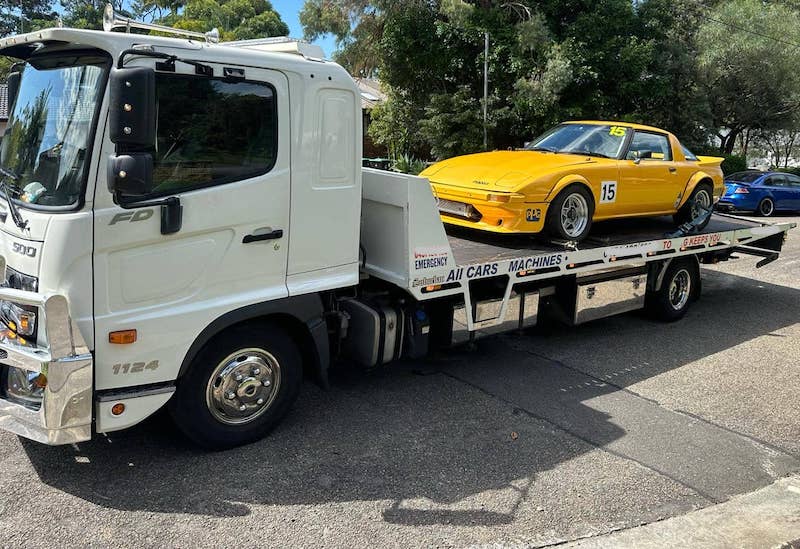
<point x="531" y="440"/>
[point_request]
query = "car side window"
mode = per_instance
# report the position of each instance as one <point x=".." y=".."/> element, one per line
<point x="777" y="181"/>
<point x="211" y="132"/>
<point x="794" y="181"/>
<point x="650" y="146"/>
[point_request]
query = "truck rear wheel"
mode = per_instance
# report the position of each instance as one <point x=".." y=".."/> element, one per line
<point x="679" y="287"/>
<point x="238" y="387"/>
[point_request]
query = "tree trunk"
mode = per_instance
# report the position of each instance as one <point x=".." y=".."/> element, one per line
<point x="728" y="142"/>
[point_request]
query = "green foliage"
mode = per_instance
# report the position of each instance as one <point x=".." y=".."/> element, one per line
<point x="5" y="68"/>
<point x="18" y="16"/>
<point x="793" y="171"/>
<point x="408" y="164"/>
<point x="235" y="19"/>
<point x="733" y="163"/>
<point x="549" y="61"/>
<point x="454" y="124"/>
<point x="752" y="75"/>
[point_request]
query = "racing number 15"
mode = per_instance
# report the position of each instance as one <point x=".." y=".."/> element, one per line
<point x="608" y="191"/>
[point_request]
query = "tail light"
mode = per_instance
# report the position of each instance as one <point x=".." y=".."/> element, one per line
<point x="741" y="190"/>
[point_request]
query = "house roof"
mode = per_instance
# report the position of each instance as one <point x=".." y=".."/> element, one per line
<point x="371" y="93"/>
<point x="3" y="102"/>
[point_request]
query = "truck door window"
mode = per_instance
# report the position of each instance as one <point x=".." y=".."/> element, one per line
<point x="211" y="132"/>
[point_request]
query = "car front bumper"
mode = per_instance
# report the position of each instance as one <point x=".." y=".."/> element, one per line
<point x="514" y="216"/>
<point x="65" y="414"/>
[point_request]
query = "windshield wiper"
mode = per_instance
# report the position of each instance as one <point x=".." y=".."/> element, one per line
<point x="542" y="149"/>
<point x="586" y="153"/>
<point x="15" y="215"/>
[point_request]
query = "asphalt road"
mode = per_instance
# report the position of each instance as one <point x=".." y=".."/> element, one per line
<point x="529" y="440"/>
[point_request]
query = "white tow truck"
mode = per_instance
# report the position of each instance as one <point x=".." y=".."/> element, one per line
<point x="186" y="223"/>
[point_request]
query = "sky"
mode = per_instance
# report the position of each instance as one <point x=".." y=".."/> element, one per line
<point x="290" y="13"/>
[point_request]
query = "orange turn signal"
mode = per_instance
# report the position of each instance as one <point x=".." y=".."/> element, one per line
<point x="117" y="409"/>
<point x="122" y="337"/>
<point x="498" y="198"/>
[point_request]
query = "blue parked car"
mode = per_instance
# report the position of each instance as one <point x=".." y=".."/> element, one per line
<point x="762" y="192"/>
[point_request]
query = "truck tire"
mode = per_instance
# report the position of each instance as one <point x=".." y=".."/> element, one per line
<point x="702" y="194"/>
<point x="679" y="287"/>
<point x="239" y="387"/>
<point x="569" y="216"/>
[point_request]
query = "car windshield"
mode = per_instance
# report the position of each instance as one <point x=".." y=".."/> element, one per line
<point x="744" y="177"/>
<point x="50" y="128"/>
<point x="587" y="139"/>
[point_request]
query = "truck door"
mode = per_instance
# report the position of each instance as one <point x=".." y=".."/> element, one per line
<point x="223" y="150"/>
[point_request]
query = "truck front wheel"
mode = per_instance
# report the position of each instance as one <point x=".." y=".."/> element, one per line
<point x="679" y="287"/>
<point x="238" y="387"/>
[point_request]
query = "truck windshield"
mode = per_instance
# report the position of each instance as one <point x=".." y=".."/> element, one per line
<point x="50" y="128"/>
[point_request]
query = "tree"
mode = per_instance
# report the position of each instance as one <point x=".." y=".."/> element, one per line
<point x="780" y="146"/>
<point x="235" y="19"/>
<point x="18" y="16"/>
<point x="750" y="71"/>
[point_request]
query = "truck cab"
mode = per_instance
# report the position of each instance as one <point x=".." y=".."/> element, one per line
<point x="149" y="205"/>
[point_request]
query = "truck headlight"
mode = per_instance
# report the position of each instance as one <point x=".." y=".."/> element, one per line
<point x="17" y="321"/>
<point x="25" y="387"/>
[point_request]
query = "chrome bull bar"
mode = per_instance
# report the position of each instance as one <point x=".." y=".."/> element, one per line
<point x="65" y="415"/>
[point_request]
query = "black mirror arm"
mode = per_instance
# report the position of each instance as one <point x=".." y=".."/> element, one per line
<point x="171" y="211"/>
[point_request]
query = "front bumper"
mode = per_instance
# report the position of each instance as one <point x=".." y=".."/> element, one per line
<point x="65" y="415"/>
<point x="515" y="216"/>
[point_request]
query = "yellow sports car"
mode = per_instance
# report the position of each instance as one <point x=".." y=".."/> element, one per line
<point x="576" y="173"/>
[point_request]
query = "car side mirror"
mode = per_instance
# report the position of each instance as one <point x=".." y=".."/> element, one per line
<point x="132" y="110"/>
<point x="639" y="155"/>
<point x="130" y="175"/>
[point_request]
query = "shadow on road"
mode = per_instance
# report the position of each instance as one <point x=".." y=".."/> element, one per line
<point x="416" y="431"/>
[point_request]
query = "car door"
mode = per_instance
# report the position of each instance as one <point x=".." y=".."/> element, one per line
<point x="778" y="186"/>
<point x="223" y="151"/>
<point x="650" y="174"/>
<point x="794" y="195"/>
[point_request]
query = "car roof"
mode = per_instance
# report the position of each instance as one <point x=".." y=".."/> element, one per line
<point x="616" y="123"/>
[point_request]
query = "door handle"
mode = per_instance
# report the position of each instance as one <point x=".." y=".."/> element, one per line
<point x="673" y="170"/>
<point x="259" y="237"/>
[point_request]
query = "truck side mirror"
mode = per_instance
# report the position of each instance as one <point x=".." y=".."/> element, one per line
<point x="130" y="175"/>
<point x="132" y="110"/>
<point x="14" y="78"/>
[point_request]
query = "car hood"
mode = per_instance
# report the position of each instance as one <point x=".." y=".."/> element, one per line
<point x="502" y="170"/>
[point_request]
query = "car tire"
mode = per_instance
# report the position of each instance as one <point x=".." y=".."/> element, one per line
<point x="703" y="193"/>
<point x="766" y="207"/>
<point x="569" y="216"/>
<point x="680" y="286"/>
<point x="239" y="387"/>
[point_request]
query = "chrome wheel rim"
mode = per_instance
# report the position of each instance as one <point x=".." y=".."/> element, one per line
<point x="243" y="386"/>
<point x="680" y="289"/>
<point x="702" y="201"/>
<point x="574" y="215"/>
<point x="766" y="207"/>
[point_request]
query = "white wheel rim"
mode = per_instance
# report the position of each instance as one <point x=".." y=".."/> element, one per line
<point x="767" y="206"/>
<point x="702" y="201"/>
<point x="574" y="215"/>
